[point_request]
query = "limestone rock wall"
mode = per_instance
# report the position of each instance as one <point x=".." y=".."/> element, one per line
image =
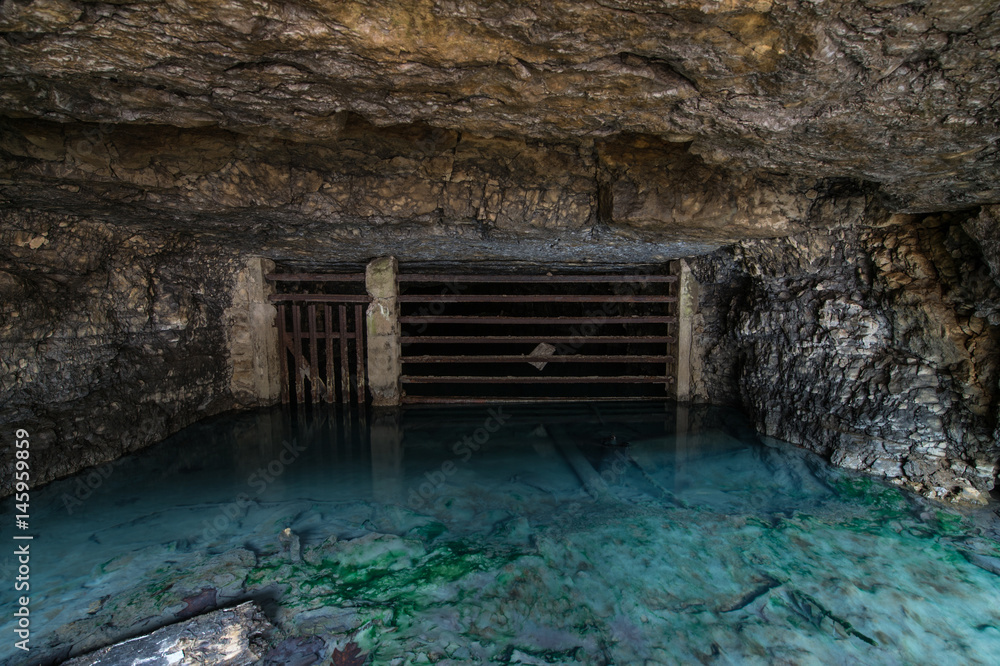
<point x="896" y="92"/>
<point x="875" y="342"/>
<point x="111" y="339"/>
<point x="148" y="148"/>
<point x="411" y="191"/>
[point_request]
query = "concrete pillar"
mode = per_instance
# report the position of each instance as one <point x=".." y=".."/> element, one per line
<point x="253" y="337"/>
<point x="687" y="305"/>
<point x="384" y="366"/>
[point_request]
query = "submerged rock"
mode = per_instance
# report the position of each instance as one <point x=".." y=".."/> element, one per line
<point x="296" y="651"/>
<point x="290" y="545"/>
<point x="198" y="603"/>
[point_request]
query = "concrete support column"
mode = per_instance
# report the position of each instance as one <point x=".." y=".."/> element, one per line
<point x="252" y="336"/>
<point x="384" y="365"/>
<point x="687" y="304"/>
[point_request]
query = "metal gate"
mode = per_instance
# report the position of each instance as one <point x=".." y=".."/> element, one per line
<point x="485" y="338"/>
<point x="537" y="338"/>
<point x="321" y="337"/>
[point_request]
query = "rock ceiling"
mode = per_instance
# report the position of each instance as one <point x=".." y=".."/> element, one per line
<point x="701" y="121"/>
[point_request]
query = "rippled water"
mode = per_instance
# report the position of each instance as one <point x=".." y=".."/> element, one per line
<point x="578" y="534"/>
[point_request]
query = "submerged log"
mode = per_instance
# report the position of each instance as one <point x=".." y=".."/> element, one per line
<point x="232" y="636"/>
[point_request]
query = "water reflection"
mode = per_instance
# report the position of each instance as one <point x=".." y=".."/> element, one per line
<point x="574" y="534"/>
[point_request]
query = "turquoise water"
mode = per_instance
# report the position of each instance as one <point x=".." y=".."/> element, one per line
<point x="573" y="535"/>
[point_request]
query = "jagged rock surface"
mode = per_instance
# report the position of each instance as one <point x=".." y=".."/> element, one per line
<point x="111" y="339"/>
<point x="875" y="344"/>
<point x="415" y="192"/>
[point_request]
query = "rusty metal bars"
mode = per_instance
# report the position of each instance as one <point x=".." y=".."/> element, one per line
<point x="315" y="337"/>
<point x="548" y="279"/>
<point x="359" y="352"/>
<point x="331" y="379"/>
<point x="494" y="313"/>
<point x="283" y="353"/>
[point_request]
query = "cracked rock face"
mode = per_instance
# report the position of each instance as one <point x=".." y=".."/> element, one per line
<point x="899" y="93"/>
<point x="875" y="344"/>
<point x="414" y="192"/>
<point x="111" y="339"/>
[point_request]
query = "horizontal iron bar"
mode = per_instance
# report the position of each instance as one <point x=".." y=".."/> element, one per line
<point x="458" y="319"/>
<point x="455" y="400"/>
<point x="320" y="335"/>
<point x="315" y="277"/>
<point x="321" y="298"/>
<point x="635" y="379"/>
<point x="523" y="358"/>
<point x="416" y="277"/>
<point x="515" y="339"/>
<point x="533" y="298"/>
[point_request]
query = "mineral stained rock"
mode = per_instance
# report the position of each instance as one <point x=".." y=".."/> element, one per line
<point x="415" y="192"/>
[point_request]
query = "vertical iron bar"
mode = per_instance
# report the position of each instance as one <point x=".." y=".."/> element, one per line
<point x="331" y="381"/>
<point x="314" y="380"/>
<point x="345" y="368"/>
<point x="297" y="352"/>
<point x="283" y="353"/>
<point x="359" y="351"/>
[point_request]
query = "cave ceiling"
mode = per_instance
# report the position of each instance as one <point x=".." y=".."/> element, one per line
<point x="656" y="128"/>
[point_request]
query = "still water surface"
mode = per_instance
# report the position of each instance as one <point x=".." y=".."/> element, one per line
<point x="575" y="534"/>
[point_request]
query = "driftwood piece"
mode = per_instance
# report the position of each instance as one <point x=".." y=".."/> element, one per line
<point x="228" y="637"/>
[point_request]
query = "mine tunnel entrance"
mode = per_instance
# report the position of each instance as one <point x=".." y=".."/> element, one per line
<point x="472" y="338"/>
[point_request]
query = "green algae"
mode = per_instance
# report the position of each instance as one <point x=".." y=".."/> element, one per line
<point x="951" y="524"/>
<point x="336" y="583"/>
<point x="428" y="532"/>
<point x="888" y="501"/>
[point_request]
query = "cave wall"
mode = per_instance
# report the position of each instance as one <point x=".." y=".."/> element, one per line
<point x="889" y="91"/>
<point x="148" y="149"/>
<point x="413" y="191"/>
<point x="112" y="339"/>
<point x="137" y="314"/>
<point x="874" y="341"/>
